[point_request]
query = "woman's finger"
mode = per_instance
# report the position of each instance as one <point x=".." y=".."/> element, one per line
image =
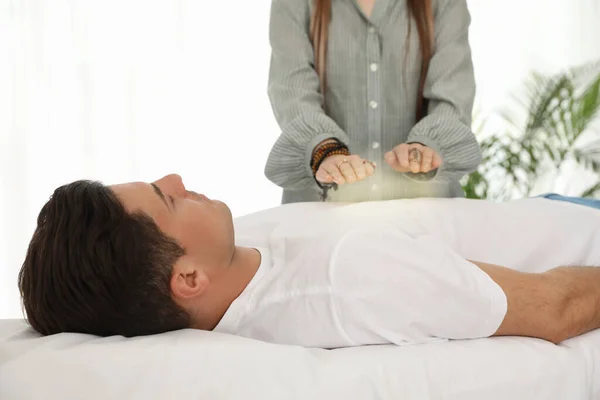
<point x="323" y="177"/>
<point x="335" y="173"/>
<point x="401" y="152"/>
<point x="391" y="159"/>
<point x="346" y="168"/>
<point x="359" y="168"/>
<point x="415" y="157"/>
<point x="437" y="161"/>
<point x="369" y="167"/>
<point x="427" y="156"/>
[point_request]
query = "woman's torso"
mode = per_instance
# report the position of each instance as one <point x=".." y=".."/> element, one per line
<point x="373" y="70"/>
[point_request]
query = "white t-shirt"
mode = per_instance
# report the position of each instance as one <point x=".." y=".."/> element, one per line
<point x="336" y="275"/>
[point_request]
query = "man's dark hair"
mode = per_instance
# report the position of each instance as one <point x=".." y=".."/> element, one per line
<point x="92" y="267"/>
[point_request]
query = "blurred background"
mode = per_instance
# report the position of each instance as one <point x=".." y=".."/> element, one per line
<point x="132" y="90"/>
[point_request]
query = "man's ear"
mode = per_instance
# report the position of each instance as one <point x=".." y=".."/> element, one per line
<point x="188" y="279"/>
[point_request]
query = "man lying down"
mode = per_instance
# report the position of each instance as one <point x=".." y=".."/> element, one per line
<point x="145" y="258"/>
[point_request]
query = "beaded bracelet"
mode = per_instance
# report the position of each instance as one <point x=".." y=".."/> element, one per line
<point x="325" y="150"/>
<point x="320" y="154"/>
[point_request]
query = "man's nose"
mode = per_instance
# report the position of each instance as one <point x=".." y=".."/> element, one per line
<point x="172" y="184"/>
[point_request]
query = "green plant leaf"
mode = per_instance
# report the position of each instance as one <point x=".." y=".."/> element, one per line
<point x="560" y="112"/>
<point x="591" y="191"/>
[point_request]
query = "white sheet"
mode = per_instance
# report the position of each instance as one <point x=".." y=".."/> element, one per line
<point x="206" y="365"/>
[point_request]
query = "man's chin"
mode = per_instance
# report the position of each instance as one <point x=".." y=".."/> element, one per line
<point x="223" y="206"/>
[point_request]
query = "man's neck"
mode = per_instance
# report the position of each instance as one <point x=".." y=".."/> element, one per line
<point x="229" y="285"/>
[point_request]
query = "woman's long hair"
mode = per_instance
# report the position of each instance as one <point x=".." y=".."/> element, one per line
<point x="420" y="10"/>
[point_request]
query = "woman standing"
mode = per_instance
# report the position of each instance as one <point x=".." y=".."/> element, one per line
<point x="389" y="81"/>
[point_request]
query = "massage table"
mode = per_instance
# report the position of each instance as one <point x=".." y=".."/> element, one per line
<point x="191" y="364"/>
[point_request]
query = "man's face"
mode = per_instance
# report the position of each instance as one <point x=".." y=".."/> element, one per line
<point x="203" y="227"/>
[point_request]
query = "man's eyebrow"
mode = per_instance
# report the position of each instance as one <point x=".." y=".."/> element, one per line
<point x="161" y="195"/>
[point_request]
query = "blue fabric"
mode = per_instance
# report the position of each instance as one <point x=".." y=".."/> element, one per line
<point x="593" y="203"/>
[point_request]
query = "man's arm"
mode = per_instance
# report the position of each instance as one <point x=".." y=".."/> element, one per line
<point x="555" y="305"/>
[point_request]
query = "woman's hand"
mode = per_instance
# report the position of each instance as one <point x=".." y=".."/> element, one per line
<point x="344" y="169"/>
<point x="413" y="157"/>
